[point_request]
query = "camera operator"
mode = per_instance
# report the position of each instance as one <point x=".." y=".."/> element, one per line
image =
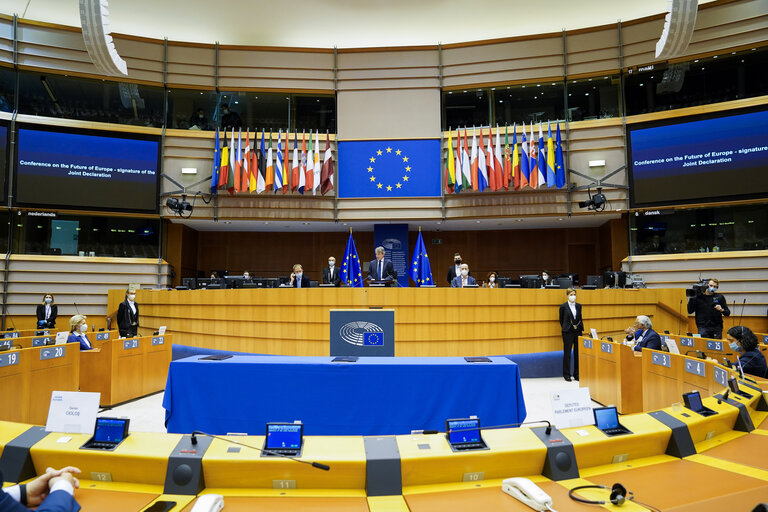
<point x="709" y="308"/>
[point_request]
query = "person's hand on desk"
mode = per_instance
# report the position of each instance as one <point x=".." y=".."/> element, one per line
<point x="38" y="489"/>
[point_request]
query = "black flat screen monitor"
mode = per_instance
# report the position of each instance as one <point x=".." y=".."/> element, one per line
<point x="189" y="282"/>
<point x="531" y="281"/>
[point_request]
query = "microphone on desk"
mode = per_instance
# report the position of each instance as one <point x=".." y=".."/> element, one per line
<point x="548" y="430"/>
<point x="724" y="397"/>
<point x="317" y="465"/>
<point x="76" y="309"/>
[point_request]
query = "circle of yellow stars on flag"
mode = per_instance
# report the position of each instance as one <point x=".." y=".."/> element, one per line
<point x="401" y="180"/>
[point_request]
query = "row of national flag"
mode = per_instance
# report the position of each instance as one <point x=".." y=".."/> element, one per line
<point x="531" y="164"/>
<point x="352" y="270"/>
<point x="238" y="167"/>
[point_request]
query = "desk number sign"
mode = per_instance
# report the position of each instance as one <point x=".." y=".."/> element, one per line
<point x="53" y="353"/>
<point x="721" y="376"/>
<point x="130" y="344"/>
<point x="587" y="343"/>
<point x="661" y="359"/>
<point x="9" y="359"/>
<point x="101" y="336"/>
<point x="606" y="347"/>
<point x="686" y="342"/>
<point x="158" y="340"/>
<point x="695" y="367"/>
<point x="715" y="345"/>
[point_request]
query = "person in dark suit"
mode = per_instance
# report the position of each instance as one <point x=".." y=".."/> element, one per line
<point x="298" y="279"/>
<point x="744" y="342"/>
<point x="381" y="269"/>
<point x="463" y="279"/>
<point x="572" y="327"/>
<point x="643" y="335"/>
<point x="47" y="312"/>
<point x="331" y="273"/>
<point x="52" y="491"/>
<point x="77" y="329"/>
<point x="455" y="270"/>
<point x="128" y="315"/>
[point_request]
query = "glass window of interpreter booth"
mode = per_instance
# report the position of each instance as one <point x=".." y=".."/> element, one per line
<point x="466" y="108"/>
<point x="7" y="88"/>
<point x="529" y="103"/>
<point x="593" y="98"/>
<point x="104" y="101"/>
<point x="86" y="235"/>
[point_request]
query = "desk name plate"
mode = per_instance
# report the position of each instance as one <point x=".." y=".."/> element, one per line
<point x="54" y="352"/>
<point x="721" y="376"/>
<point x="696" y="367"/>
<point x="661" y="360"/>
<point x="130" y="344"/>
<point x="587" y="343"/>
<point x="9" y="359"/>
<point x="715" y="345"/>
<point x="606" y="347"/>
<point x="158" y="340"/>
<point x="686" y="342"/>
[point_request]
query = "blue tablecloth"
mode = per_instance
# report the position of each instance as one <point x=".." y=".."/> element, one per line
<point x="373" y="396"/>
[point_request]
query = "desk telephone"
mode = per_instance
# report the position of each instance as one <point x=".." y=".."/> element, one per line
<point x="527" y="492"/>
<point x="209" y="503"/>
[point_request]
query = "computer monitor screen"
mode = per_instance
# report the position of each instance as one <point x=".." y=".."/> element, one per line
<point x="463" y="431"/>
<point x="189" y="282"/>
<point x="606" y="417"/>
<point x="564" y="282"/>
<point x="595" y="281"/>
<point x="110" y="430"/>
<point x="283" y="435"/>
<point x="531" y="281"/>
<point x="694" y="401"/>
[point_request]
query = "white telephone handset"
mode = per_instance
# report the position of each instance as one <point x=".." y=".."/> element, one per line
<point x="209" y="503"/>
<point x="527" y="492"/>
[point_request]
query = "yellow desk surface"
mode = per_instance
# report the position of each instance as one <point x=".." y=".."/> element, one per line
<point x="291" y="504"/>
<point x="101" y="500"/>
<point x="749" y="450"/>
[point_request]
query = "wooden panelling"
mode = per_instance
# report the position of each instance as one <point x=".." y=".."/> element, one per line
<point x="428" y="322"/>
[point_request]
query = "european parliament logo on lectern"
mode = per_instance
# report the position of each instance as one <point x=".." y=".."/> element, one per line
<point x="362" y="332"/>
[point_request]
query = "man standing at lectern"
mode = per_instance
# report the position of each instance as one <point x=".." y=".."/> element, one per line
<point x="381" y="269"/>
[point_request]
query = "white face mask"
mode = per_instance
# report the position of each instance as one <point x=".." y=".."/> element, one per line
<point x="464" y="272"/>
<point x="132" y="297"/>
<point x="331" y="263"/>
<point x="299" y="274"/>
<point x="492" y="279"/>
<point x="572" y="298"/>
<point x="48" y="300"/>
<point x="84" y="328"/>
<point x="544" y="277"/>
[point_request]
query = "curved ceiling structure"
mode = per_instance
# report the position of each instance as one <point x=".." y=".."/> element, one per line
<point x="341" y="23"/>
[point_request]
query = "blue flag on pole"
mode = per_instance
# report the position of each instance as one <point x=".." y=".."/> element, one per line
<point x="216" y="163"/>
<point x="559" y="162"/>
<point x="421" y="272"/>
<point x="351" y="272"/>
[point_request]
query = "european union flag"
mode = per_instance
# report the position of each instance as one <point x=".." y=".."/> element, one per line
<point x="389" y="168"/>
<point x="351" y="272"/>
<point x="421" y="272"/>
<point x="373" y="339"/>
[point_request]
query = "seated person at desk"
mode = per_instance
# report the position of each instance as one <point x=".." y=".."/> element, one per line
<point x="463" y="279"/>
<point x="298" y="279"/>
<point x="643" y="335"/>
<point x="128" y="315"/>
<point x="744" y="342"/>
<point x="47" y="312"/>
<point x="490" y="281"/>
<point x="78" y="328"/>
<point x="52" y="491"/>
<point x="247" y="277"/>
<point x="545" y="278"/>
<point x="331" y="273"/>
<point x="381" y="269"/>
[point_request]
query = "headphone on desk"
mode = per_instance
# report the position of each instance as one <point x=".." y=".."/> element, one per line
<point x="618" y="494"/>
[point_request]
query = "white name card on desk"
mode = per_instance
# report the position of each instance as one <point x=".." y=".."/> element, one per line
<point x="572" y="408"/>
<point x="72" y="412"/>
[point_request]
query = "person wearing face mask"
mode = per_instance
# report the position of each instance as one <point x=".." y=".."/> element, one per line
<point x="545" y="278"/>
<point x="744" y="342"/>
<point x="572" y="327"/>
<point x="491" y="281"/>
<point x="709" y="309"/>
<point x="128" y="315"/>
<point x="454" y="270"/>
<point x="643" y="335"/>
<point x="229" y="119"/>
<point x="298" y="279"/>
<point x="331" y="273"/>
<point x="463" y="279"/>
<point x="247" y="277"/>
<point x="77" y="328"/>
<point x="198" y="121"/>
<point x="47" y="312"/>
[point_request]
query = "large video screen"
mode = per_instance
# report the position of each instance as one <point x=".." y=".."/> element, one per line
<point x="702" y="159"/>
<point x="87" y="170"/>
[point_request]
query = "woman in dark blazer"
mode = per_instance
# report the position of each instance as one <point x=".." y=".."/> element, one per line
<point x="47" y="312"/>
<point x="572" y="327"/>
<point x="128" y="315"/>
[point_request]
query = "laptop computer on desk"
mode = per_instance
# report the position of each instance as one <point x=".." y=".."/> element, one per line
<point x="283" y="439"/>
<point x="607" y="420"/>
<point x="692" y="401"/>
<point x="464" y="434"/>
<point x="107" y="434"/>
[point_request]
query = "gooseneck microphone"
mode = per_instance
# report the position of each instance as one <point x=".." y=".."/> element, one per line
<point x="548" y="431"/>
<point x="317" y="465"/>
<point x="724" y="397"/>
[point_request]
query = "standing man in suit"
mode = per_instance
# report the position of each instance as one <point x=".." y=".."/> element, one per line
<point x="298" y="279"/>
<point x="52" y="491"/>
<point x="128" y="315"/>
<point x="643" y="335"/>
<point x="463" y="279"/>
<point x="47" y="312"/>
<point x="381" y="269"/>
<point x="572" y="327"/>
<point x="455" y="270"/>
<point x="331" y="273"/>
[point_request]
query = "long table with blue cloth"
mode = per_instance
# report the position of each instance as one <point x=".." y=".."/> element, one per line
<point x="371" y="396"/>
